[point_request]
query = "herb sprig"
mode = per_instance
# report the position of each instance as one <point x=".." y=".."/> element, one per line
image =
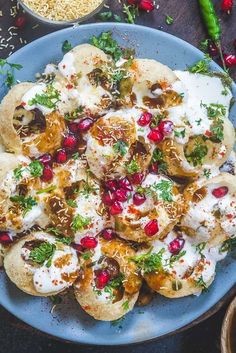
<point x="7" y="69"/>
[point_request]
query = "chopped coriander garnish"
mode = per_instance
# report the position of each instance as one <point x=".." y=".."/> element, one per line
<point x="71" y="203"/>
<point x="117" y="18"/>
<point x="54" y="231"/>
<point x="202" y="284"/>
<point x="164" y="189"/>
<point x="43" y="252"/>
<point x="18" y="173"/>
<point x="66" y="46"/>
<point x="157" y="119"/>
<point x="131" y="12"/>
<point x="214" y="110"/>
<point x="88" y="188"/>
<point x="203" y="45"/>
<point x="217" y="130"/>
<point x="107" y="44"/>
<point x="177" y="257"/>
<point x="87" y="255"/>
<point x="169" y="20"/>
<point x="200" y="247"/>
<point x="105" y="16"/>
<point x="228" y="245"/>
<point x="180" y="134"/>
<point x="48" y="99"/>
<point x="120" y="147"/>
<point x="75" y="156"/>
<point x="46" y="190"/>
<point x="202" y="66"/>
<point x="125" y="305"/>
<point x="198" y="154"/>
<point x="198" y="122"/>
<point x="9" y="72"/>
<point x="26" y="203"/>
<point x="79" y="222"/>
<point x="132" y="167"/>
<point x="64" y="240"/>
<point x="75" y="114"/>
<point x="115" y="283"/>
<point x="36" y="168"/>
<point x="149" y="262"/>
<point x="207" y="173"/>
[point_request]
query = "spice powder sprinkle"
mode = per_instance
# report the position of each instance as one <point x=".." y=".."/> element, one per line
<point x="62" y="10"/>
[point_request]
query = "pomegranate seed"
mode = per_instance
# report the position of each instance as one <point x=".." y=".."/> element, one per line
<point x="139" y="199"/>
<point x="85" y="124"/>
<point x="145" y="119"/>
<point x="226" y="6"/>
<point x="70" y="142"/>
<point x="166" y="127"/>
<point x="89" y="242"/>
<point x="116" y="208"/>
<point x="45" y="159"/>
<point x="108" y="233"/>
<point x="102" y="278"/>
<point x="20" y="22"/>
<point x="146" y="5"/>
<point x="5" y="238"/>
<point x="230" y="60"/>
<point x="111" y="185"/>
<point x="212" y="49"/>
<point x="121" y="195"/>
<point x="125" y="184"/>
<point x="155" y="135"/>
<point x="176" y="245"/>
<point x="108" y="198"/>
<point x="61" y="156"/>
<point x="151" y="228"/>
<point x="79" y="248"/>
<point x="153" y="168"/>
<point x="136" y="178"/>
<point x="74" y="127"/>
<point x="220" y="192"/>
<point x="47" y="173"/>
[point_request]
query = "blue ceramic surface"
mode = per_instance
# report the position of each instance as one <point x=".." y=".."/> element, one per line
<point x="163" y="315"/>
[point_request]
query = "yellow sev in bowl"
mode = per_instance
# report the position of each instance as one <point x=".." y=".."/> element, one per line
<point x="62" y="10"/>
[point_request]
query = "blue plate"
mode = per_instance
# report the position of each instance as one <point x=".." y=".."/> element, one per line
<point x="163" y="315"/>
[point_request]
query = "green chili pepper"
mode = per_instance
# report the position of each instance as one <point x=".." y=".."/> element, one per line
<point x="212" y="24"/>
<point x="211" y="20"/>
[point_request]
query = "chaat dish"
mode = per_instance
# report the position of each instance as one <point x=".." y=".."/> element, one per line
<point x="117" y="174"/>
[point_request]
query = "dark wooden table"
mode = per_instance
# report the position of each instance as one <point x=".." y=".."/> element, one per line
<point x="15" y="337"/>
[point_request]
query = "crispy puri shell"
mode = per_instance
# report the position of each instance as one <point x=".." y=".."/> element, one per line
<point x="173" y="154"/>
<point x="218" y="235"/>
<point x="7" y="109"/>
<point x="86" y="295"/>
<point x="17" y="270"/>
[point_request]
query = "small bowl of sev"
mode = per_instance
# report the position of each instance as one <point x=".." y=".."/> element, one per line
<point x="62" y="12"/>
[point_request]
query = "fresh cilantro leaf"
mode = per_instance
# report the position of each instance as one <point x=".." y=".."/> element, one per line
<point x="120" y="147"/>
<point x="117" y="18"/>
<point x="180" y="134"/>
<point x="18" y="173"/>
<point x="64" y="240"/>
<point x="164" y="190"/>
<point x="228" y="245"/>
<point x="26" y="203"/>
<point x="202" y="66"/>
<point x="132" y="167"/>
<point x="202" y="284"/>
<point x="198" y="154"/>
<point x="75" y="156"/>
<point x="74" y="115"/>
<point x="207" y="173"/>
<point x="203" y="45"/>
<point x="125" y="305"/>
<point x="36" y="168"/>
<point x="149" y="262"/>
<point x="108" y="45"/>
<point x="198" y="122"/>
<point x="48" y="99"/>
<point x="54" y="231"/>
<point x="105" y="16"/>
<point x="7" y="69"/>
<point x="66" y="46"/>
<point x="87" y="255"/>
<point x="71" y="203"/>
<point x="177" y="257"/>
<point x="169" y="20"/>
<point x="43" y="252"/>
<point x="79" y="222"/>
<point x="200" y="247"/>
